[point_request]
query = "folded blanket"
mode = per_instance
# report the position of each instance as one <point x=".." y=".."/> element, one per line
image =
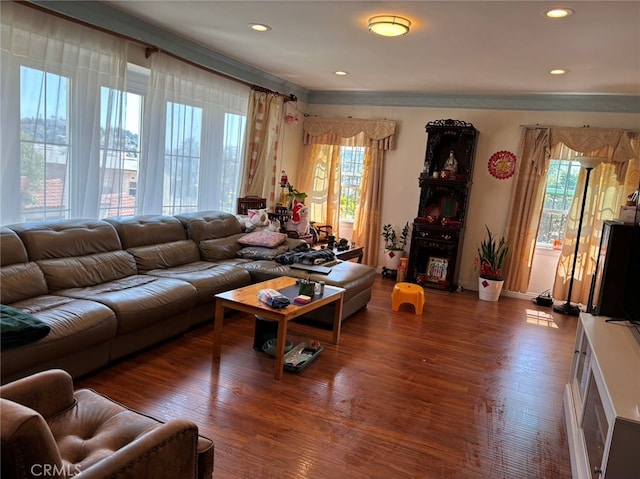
<point x="18" y="328"/>
<point x="316" y="256"/>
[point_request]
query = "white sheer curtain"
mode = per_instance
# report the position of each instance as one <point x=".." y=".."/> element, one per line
<point x="194" y="141"/>
<point x="62" y="101"/>
<point x="87" y="135"/>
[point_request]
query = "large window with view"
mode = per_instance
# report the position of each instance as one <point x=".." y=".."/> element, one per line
<point x="120" y="125"/>
<point x="562" y="179"/>
<point x="351" y="165"/>
<point x="44" y="145"/>
<point x="182" y="158"/>
<point x="87" y="134"/>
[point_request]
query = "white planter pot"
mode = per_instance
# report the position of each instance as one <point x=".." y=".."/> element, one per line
<point x="489" y="289"/>
<point x="392" y="258"/>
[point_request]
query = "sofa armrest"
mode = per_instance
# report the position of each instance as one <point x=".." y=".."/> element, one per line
<point x="48" y="392"/>
<point x="166" y="452"/>
<point x="27" y="443"/>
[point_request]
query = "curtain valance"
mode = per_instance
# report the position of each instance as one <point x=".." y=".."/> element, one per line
<point x="378" y="134"/>
<point x="615" y="145"/>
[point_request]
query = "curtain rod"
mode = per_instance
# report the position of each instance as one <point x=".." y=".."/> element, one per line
<point x="552" y="126"/>
<point x="583" y="126"/>
<point x="151" y="49"/>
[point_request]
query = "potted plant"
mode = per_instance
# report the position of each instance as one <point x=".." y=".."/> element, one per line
<point x="294" y="193"/>
<point x="394" y="245"/>
<point x="491" y="254"/>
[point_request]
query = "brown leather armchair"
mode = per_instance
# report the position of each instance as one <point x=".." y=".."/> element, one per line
<point x="48" y="430"/>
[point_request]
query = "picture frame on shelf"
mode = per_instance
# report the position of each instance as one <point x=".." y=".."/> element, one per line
<point x="437" y="269"/>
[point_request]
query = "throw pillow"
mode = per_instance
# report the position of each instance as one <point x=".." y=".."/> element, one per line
<point x="260" y="252"/>
<point x="268" y="239"/>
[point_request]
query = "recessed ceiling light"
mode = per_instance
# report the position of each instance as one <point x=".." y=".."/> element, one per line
<point x="341" y="73"/>
<point x="259" y="27"/>
<point x="558" y="71"/>
<point x="558" y="12"/>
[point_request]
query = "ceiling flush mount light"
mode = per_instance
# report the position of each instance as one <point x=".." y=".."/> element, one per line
<point x="558" y="71"/>
<point x="259" y="27"/>
<point x="341" y="73"/>
<point x="558" y="12"/>
<point x="389" y="25"/>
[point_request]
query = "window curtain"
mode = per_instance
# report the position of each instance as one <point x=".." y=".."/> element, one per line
<point x="62" y="104"/>
<point x="607" y="191"/>
<point x="264" y="121"/>
<point x="192" y="150"/>
<point x="320" y="174"/>
<point x="537" y="146"/>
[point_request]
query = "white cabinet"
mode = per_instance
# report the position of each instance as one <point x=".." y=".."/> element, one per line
<point x="602" y="400"/>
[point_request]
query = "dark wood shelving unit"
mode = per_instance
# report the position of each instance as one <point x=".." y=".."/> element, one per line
<point x="438" y="229"/>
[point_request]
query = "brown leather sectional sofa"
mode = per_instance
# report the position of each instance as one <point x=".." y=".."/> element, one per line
<point x="108" y="288"/>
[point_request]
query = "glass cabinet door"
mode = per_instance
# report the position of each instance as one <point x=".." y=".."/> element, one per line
<point x="595" y="428"/>
<point x="582" y="360"/>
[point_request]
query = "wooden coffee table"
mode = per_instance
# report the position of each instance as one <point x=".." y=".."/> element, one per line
<point x="246" y="299"/>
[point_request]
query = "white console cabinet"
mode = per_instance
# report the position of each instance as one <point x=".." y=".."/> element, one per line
<point x="602" y="400"/>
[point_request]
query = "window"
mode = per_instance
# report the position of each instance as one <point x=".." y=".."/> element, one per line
<point x="351" y="165"/>
<point x="120" y="125"/>
<point x="562" y="179"/>
<point x="182" y="158"/>
<point x="44" y="145"/>
<point x="88" y="135"/>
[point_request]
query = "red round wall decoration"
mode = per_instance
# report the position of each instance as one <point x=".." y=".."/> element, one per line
<point x="502" y="165"/>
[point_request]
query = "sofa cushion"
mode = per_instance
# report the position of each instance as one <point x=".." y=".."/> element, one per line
<point x="13" y="250"/>
<point x="18" y="327"/>
<point x="260" y="252"/>
<point x="76" y="325"/>
<point x="145" y="230"/>
<point x="220" y="248"/>
<point x="353" y="277"/>
<point x="97" y="427"/>
<point x="84" y="271"/>
<point x="267" y="239"/>
<point x="165" y="255"/>
<point x="21" y="281"/>
<point x="206" y="225"/>
<point x="139" y="301"/>
<point x="67" y="238"/>
<point x="208" y="278"/>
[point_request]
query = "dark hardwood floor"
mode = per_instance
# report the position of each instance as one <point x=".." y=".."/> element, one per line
<point x="469" y="390"/>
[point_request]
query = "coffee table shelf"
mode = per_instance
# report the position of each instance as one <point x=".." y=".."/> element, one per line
<point x="246" y="300"/>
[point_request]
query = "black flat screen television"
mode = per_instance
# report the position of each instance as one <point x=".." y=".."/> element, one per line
<point x="609" y="284"/>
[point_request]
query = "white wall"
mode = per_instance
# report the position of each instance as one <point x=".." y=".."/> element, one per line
<point x="489" y="199"/>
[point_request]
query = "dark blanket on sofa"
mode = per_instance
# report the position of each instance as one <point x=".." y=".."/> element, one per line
<point x="18" y="328"/>
<point x="306" y="257"/>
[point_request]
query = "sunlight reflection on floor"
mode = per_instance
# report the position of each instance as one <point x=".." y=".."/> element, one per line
<point x="540" y="318"/>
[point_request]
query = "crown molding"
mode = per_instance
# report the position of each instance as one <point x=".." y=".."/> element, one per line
<point x="108" y="18"/>
<point x="529" y="102"/>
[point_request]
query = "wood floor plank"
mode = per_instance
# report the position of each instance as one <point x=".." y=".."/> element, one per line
<point x="469" y="390"/>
